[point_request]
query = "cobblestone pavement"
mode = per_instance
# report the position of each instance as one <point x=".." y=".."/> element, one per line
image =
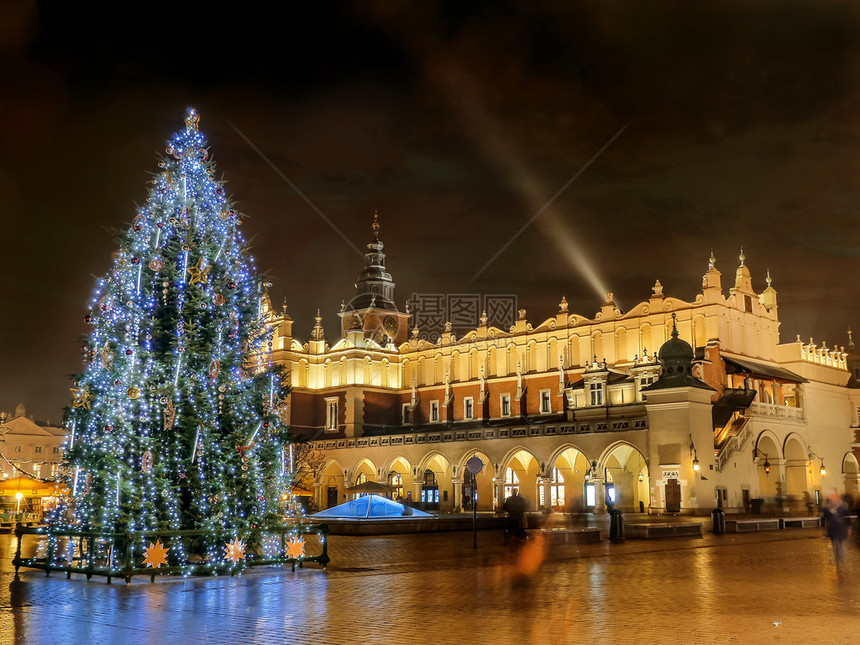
<point x="777" y="586"/>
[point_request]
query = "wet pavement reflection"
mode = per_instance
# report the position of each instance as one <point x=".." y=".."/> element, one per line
<point x="778" y="586"/>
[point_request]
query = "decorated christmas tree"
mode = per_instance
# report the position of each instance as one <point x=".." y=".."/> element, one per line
<point x="177" y="420"/>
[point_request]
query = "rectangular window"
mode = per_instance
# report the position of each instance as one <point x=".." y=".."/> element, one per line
<point x="434" y="411"/>
<point x="590" y="496"/>
<point x="610" y="493"/>
<point x="468" y="408"/>
<point x="506" y="405"/>
<point x="596" y="390"/>
<point x="748" y="303"/>
<point x="407" y="414"/>
<point x="19" y="448"/>
<point x="331" y="415"/>
<point x="545" y="402"/>
<point x="57" y="450"/>
<point x="38" y="448"/>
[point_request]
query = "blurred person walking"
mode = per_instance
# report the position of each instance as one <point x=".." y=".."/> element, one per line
<point x="837" y="527"/>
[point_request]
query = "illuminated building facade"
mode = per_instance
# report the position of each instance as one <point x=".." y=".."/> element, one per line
<point x="672" y="406"/>
<point x="29" y="448"/>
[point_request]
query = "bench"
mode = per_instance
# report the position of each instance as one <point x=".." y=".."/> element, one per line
<point x="565" y="535"/>
<point x="9" y="520"/>
<point x="649" y="530"/>
<point x="801" y="522"/>
<point x="760" y="524"/>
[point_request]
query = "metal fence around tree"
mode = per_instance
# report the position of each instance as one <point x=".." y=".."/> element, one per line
<point x="181" y="552"/>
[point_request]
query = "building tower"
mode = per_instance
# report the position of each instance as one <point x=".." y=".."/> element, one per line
<point x="372" y="308"/>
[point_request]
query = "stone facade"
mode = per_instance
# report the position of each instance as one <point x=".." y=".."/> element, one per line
<point x="29" y="448"/>
<point x="576" y="411"/>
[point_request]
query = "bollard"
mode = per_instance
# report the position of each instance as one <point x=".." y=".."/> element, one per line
<point x="719" y="521"/>
<point x="616" y="525"/>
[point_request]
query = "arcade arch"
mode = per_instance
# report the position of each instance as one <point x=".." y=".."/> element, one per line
<point x="796" y="469"/>
<point x="851" y="474"/>
<point x="520" y="470"/>
<point x="331" y="485"/>
<point x="626" y="480"/>
<point x="482" y="484"/>
<point x="767" y="460"/>
<point x="432" y="485"/>
<point x="571" y="466"/>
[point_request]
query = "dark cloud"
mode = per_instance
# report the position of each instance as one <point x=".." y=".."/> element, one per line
<point x="458" y="121"/>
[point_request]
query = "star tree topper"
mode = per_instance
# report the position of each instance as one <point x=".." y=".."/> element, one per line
<point x="234" y="550"/>
<point x="156" y="554"/>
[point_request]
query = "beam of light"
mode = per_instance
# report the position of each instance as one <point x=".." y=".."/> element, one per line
<point x="573" y="252"/>
<point x="549" y="202"/>
<point x="296" y="188"/>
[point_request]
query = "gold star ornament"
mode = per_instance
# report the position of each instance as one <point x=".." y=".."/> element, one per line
<point x="234" y="550"/>
<point x="295" y="548"/>
<point x="156" y="554"/>
<point x="199" y="273"/>
<point x="83" y="397"/>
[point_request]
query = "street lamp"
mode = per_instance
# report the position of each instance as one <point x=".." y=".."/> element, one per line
<point x="18" y="496"/>
<point x="822" y="469"/>
<point x="766" y="464"/>
<point x="694" y="455"/>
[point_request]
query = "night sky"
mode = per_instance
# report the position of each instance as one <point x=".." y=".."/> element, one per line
<point x="739" y="127"/>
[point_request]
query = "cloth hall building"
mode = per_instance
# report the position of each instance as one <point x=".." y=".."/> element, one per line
<point x="574" y="411"/>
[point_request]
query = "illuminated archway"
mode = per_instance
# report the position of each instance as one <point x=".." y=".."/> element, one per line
<point x="331" y="485"/>
<point x="574" y="467"/>
<point x="767" y="459"/>
<point x="432" y="479"/>
<point x="626" y="481"/>
<point x="851" y="474"/>
<point x="520" y="470"/>
<point x="796" y="465"/>
<point x="482" y="483"/>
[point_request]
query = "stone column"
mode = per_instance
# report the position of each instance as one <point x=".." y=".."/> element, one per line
<point x="544" y="483"/>
<point x="498" y="493"/>
<point x="458" y="495"/>
<point x="599" y="495"/>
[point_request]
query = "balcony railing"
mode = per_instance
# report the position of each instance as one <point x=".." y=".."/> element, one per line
<point x="775" y="411"/>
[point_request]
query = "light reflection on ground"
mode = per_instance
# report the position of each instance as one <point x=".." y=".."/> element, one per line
<point x="435" y="588"/>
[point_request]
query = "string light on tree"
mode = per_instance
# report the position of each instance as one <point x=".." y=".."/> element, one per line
<point x="173" y="381"/>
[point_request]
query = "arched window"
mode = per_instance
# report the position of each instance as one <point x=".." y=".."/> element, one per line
<point x="512" y="482"/>
<point x="430" y="490"/>
<point x="556" y="491"/>
<point x="395" y="480"/>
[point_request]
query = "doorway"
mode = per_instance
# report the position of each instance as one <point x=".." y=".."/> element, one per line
<point x="673" y="495"/>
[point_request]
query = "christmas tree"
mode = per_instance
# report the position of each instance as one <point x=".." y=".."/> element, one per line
<point x="177" y="419"/>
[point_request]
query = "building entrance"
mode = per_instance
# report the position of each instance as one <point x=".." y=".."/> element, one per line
<point x="673" y="495"/>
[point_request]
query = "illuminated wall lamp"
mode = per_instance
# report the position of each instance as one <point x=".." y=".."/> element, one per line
<point x="766" y="464"/>
<point x="821" y="470"/>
